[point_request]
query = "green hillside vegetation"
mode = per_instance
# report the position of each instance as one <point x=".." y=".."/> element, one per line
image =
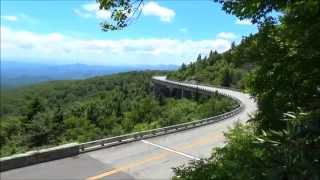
<point x="279" y="66"/>
<point x="282" y="140"/>
<point x="228" y="69"/>
<point x="58" y="112"/>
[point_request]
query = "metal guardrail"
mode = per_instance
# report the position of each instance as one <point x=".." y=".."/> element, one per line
<point x="222" y="87"/>
<point x="25" y="159"/>
<point x="112" y="141"/>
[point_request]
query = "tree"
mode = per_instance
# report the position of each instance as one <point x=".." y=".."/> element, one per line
<point x="199" y="58"/>
<point x="58" y="112"/>
<point x="34" y="107"/>
<point x="183" y="67"/>
<point x="79" y="129"/>
<point x="292" y="68"/>
<point x="57" y="124"/>
<point x="227" y="78"/>
<point x="286" y="79"/>
<point x="283" y="139"/>
<point x="233" y="45"/>
<point x="122" y="12"/>
<point x="39" y="130"/>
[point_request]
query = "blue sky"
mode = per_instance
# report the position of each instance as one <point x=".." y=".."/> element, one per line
<point x="65" y="32"/>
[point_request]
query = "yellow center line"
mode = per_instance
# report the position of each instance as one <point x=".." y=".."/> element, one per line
<point x="158" y="156"/>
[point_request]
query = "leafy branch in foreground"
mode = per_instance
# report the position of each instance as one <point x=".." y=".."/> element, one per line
<point x="282" y="141"/>
<point x="123" y="12"/>
<point x="292" y="153"/>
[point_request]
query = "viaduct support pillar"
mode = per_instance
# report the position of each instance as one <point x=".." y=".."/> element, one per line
<point x="170" y="91"/>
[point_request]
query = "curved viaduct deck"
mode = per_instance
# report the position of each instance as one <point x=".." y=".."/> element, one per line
<point x="146" y="159"/>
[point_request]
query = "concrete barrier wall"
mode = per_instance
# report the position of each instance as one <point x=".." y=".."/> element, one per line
<point x="34" y="157"/>
<point x="73" y="149"/>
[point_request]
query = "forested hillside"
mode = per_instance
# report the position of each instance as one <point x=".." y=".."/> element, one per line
<point x="227" y="69"/>
<point x="279" y="66"/>
<point x="80" y="110"/>
<point x="282" y="140"/>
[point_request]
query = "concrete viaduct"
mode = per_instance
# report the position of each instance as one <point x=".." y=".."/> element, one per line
<point x="150" y="154"/>
<point x="169" y="89"/>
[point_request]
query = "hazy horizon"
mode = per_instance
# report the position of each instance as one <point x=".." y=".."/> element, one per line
<point x="15" y="74"/>
<point x="54" y="63"/>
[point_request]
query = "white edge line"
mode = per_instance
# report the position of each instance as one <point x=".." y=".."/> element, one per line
<point x="171" y="150"/>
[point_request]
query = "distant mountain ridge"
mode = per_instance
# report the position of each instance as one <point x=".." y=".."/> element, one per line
<point x="16" y="74"/>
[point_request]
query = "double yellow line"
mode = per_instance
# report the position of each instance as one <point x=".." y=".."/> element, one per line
<point x="209" y="139"/>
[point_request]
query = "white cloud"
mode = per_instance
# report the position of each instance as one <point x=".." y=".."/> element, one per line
<point x="18" y="17"/>
<point x="183" y="30"/>
<point x="227" y="35"/>
<point x="243" y="22"/>
<point x="61" y="48"/>
<point x="102" y="14"/>
<point x="9" y="18"/>
<point x="83" y="14"/>
<point x="91" y="10"/>
<point x="153" y="9"/>
<point x="91" y="7"/>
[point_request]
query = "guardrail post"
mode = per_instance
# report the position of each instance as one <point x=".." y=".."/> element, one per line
<point x="194" y="91"/>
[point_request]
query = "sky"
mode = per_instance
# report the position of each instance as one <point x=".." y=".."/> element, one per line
<point x="68" y="32"/>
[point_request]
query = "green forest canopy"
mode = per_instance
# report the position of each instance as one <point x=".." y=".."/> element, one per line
<point x="282" y="140"/>
<point x="283" y="61"/>
<point x="65" y="111"/>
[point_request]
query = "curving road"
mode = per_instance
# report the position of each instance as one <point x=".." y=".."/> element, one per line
<point x="146" y="159"/>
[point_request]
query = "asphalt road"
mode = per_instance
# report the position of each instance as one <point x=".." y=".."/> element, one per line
<point x="146" y="159"/>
